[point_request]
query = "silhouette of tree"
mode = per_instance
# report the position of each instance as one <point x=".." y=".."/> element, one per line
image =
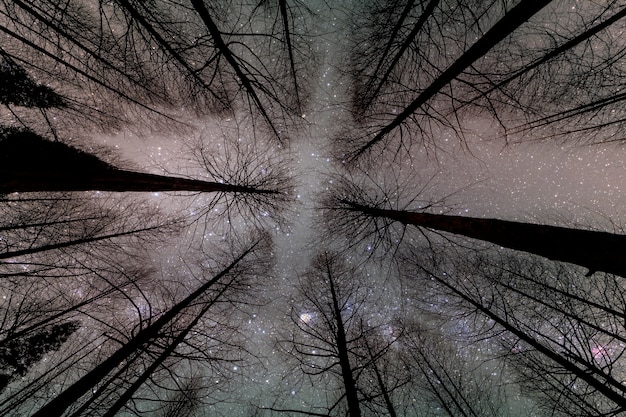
<point x="87" y="327"/>
<point x="157" y="58"/>
<point x="335" y="347"/>
<point x="19" y="354"/>
<point x="421" y="66"/>
<point x="355" y="147"/>
<point x="554" y="341"/>
<point x="595" y="250"/>
<point x="201" y="299"/>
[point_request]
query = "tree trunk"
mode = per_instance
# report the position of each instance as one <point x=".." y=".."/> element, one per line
<point x="503" y="28"/>
<point x="597" y="251"/>
<point x="344" y="361"/>
<point x="117" y="180"/>
<point x="57" y="406"/>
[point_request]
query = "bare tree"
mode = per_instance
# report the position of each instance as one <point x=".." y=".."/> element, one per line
<point x="159" y="57"/>
<point x="501" y="29"/>
<point x="556" y="341"/>
<point x="150" y="334"/>
<point x="594" y="250"/>
<point x="419" y="67"/>
<point x="332" y="342"/>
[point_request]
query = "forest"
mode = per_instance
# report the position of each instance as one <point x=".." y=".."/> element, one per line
<point x="312" y="208"/>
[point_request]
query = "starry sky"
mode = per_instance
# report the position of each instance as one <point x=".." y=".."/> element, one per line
<point x="523" y="178"/>
<point x="543" y="181"/>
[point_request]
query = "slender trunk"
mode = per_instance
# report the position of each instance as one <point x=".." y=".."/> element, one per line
<point x="344" y="361"/>
<point x="430" y="8"/>
<point x="242" y="77"/>
<point x="603" y="383"/>
<point x="57" y="406"/>
<point x="577" y="40"/>
<point x="503" y="28"/>
<point x="292" y="65"/>
<point x="116" y="180"/>
<point x="597" y="251"/>
<point x="440" y="388"/>
<point x="70" y="243"/>
<point x="381" y="384"/>
<point x="147" y="373"/>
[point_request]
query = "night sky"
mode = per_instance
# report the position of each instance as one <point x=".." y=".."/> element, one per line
<point x="468" y="165"/>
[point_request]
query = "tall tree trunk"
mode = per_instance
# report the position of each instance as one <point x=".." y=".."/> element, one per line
<point x="290" y="48"/>
<point x="117" y="180"/>
<point x="575" y="41"/>
<point x="76" y="242"/>
<point x="379" y="379"/>
<point x="380" y="81"/>
<point x="342" y="349"/>
<point x="503" y="28"/>
<point x="147" y="373"/>
<point x="242" y="77"/>
<point x="57" y="406"/>
<point x="597" y="251"/>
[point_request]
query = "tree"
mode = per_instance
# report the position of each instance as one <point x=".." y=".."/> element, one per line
<point x="551" y="337"/>
<point x="154" y="61"/>
<point x="331" y="341"/>
<point x="53" y="166"/>
<point x="144" y="338"/>
<point x="447" y="375"/>
<point x="432" y="63"/>
<point x="20" y="354"/>
<point x="594" y="250"/>
<point x="509" y="22"/>
<point x="162" y="318"/>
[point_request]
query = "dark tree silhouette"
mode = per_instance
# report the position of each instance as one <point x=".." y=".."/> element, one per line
<point x="146" y="336"/>
<point x="79" y="243"/>
<point x="556" y="340"/>
<point x="433" y="63"/>
<point x="32" y="164"/>
<point x="594" y="250"/>
<point x="331" y="338"/>
<point x="155" y="62"/>
<point x="508" y="23"/>
<point x="19" y="354"/>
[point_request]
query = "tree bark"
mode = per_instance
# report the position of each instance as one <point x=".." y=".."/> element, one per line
<point x="116" y="180"/>
<point x="597" y="251"/>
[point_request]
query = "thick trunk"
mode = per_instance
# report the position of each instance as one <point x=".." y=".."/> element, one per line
<point x="117" y="180"/>
<point x="597" y="251"/>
